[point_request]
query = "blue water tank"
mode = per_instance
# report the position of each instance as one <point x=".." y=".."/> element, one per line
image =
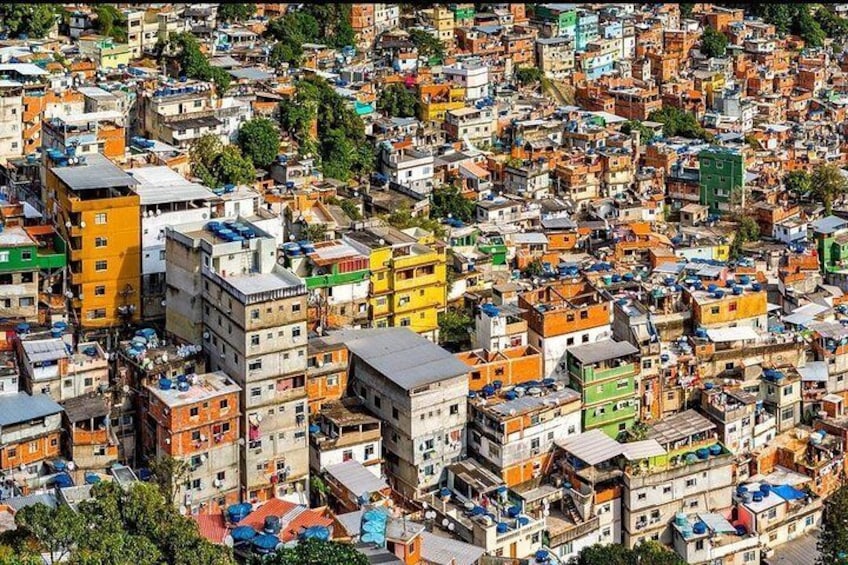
<point x="699" y="528"/>
<point x="165" y="384"/>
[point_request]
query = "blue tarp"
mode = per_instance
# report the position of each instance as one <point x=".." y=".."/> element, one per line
<point x="788" y="492"/>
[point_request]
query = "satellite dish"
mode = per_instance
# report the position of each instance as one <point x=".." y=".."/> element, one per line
<point x="228" y="541"/>
<point x="125" y="388"/>
<point x="183" y="509"/>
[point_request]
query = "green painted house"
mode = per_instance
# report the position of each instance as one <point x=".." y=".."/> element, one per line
<point x="722" y="170"/>
<point x="25" y="259"/>
<point x="563" y="16"/>
<point x="606" y="374"/>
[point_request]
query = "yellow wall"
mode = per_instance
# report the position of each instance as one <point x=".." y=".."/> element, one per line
<point x="122" y="252"/>
<point x="748" y="305"/>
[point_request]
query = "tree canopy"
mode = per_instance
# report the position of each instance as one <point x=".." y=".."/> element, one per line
<point x="341" y="144"/>
<point x="647" y="553"/>
<point x="833" y="540"/>
<point x="645" y="133"/>
<point x="427" y="44"/>
<point x="402" y="219"/>
<point x="713" y="43"/>
<point x="291" y="31"/>
<point x="259" y="141"/>
<point x="34" y="20"/>
<point x="216" y="165"/>
<point x="448" y="200"/>
<point x="314" y="552"/>
<point x="194" y="64"/>
<point x="828" y="184"/>
<point x="454" y="326"/>
<point x="799" y="182"/>
<point x="111" y="22"/>
<point x="115" y="527"/>
<point x="334" y="21"/>
<point x="679" y="122"/>
<point x="528" y="75"/>
<point x="397" y="101"/>
<point x="791" y="18"/>
<point x="235" y="12"/>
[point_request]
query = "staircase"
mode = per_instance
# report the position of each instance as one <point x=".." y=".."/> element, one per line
<point x="570" y="509"/>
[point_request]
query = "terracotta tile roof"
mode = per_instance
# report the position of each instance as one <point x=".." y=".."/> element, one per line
<point x="212" y="527"/>
<point x="279" y="508"/>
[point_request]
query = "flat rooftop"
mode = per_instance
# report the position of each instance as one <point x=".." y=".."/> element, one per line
<point x="160" y="185"/>
<point x="97" y="172"/>
<point x="206" y="386"/>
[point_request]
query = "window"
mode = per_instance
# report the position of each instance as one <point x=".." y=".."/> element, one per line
<point x="100" y="218"/>
<point x="691" y="482"/>
<point x="96" y="314"/>
<point x="255" y="365"/>
<point x="254" y="314"/>
<point x="641" y="496"/>
<point x="404" y="322"/>
<point x="369" y="452"/>
<point x="254" y="392"/>
<point x="715" y="310"/>
<point x="4" y="256"/>
<point x="161" y="254"/>
<point x="454" y="409"/>
<point x="377" y="401"/>
<point x="347" y="455"/>
<point x="732" y="307"/>
<point x="254" y="340"/>
<point x="26" y="255"/>
<point x="27" y="301"/>
<point x="296" y="307"/>
<point x="296" y="331"/>
<point x="33" y="446"/>
<point x="395" y="413"/>
<point x="99" y="290"/>
<point x="699" y="545"/>
<point x="772" y="513"/>
<point x="194" y="412"/>
<point x="101" y="265"/>
<point x="749" y="556"/>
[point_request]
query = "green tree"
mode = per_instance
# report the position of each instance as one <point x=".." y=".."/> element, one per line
<point x="291" y="31"/>
<point x="686" y="9"/>
<point x="528" y="75"/>
<point x="799" y="182"/>
<point x="396" y="101"/>
<point x="402" y="218"/>
<point x="319" y="488"/>
<point x="35" y="20"/>
<point x="828" y="184"/>
<point x="678" y="122"/>
<point x="833" y="25"/>
<point x="448" y="200"/>
<point x="334" y="21"/>
<point x="235" y="12"/>
<point x="646" y="553"/>
<point x="533" y="269"/>
<point x="427" y="44"/>
<point x="833" y="540"/>
<point x="57" y="530"/>
<point x="169" y="474"/>
<point x="232" y="168"/>
<point x="194" y="64"/>
<point x="351" y="209"/>
<point x="747" y="230"/>
<point x="646" y="134"/>
<point x="259" y="141"/>
<point x="454" y="326"/>
<point x="713" y="43"/>
<point x="111" y="22"/>
<point x="315" y="232"/>
<point x="314" y="552"/>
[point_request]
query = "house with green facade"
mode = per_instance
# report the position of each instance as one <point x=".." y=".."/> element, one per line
<point x="831" y="235"/>
<point x="722" y="169"/>
<point x="562" y="17"/>
<point x="606" y="374"/>
<point x="25" y="260"/>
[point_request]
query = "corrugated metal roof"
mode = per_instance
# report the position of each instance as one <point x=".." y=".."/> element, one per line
<point x="814" y="371"/>
<point x="679" y="426"/>
<point x="45" y="350"/>
<point x="602" y="351"/>
<point x="402" y="356"/>
<point x="355" y="477"/>
<point x="723" y="335"/>
<point x="21" y="407"/>
<point x="593" y="446"/>
<point x="446" y="551"/>
<point x="642" y="449"/>
<point x="97" y="172"/>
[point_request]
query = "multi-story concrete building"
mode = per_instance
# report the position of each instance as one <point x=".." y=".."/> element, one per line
<point x="476" y="125"/>
<point x="87" y="133"/>
<point x="346" y="432"/>
<point x="606" y="374"/>
<point x="53" y="367"/>
<point x="742" y="424"/>
<point x="562" y="315"/>
<point x="165" y="198"/>
<point x="252" y="314"/>
<point x="89" y="439"/>
<point x="11" y="119"/>
<point x="407" y="279"/>
<point x="419" y="392"/>
<point x="95" y="210"/>
<point x="670" y="476"/>
<point x="780" y="390"/>
<point x="714" y="308"/>
<point x="386" y="17"/>
<point x="326" y="373"/>
<point x="197" y="419"/>
<point x="555" y="56"/>
<point x="30" y="433"/>
<point x="722" y="171"/>
<point x="409" y="168"/>
<point x="473" y="78"/>
<point x="513" y="436"/>
<point x="498" y="327"/>
<point x="28" y="264"/>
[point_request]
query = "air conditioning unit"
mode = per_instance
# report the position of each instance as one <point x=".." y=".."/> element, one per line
<point x="217" y="483"/>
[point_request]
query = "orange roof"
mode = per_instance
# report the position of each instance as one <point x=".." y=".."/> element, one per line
<point x="475" y="169"/>
<point x="39" y="230"/>
<point x="640" y="228"/>
<point x="277" y="507"/>
<point x="212" y="527"/>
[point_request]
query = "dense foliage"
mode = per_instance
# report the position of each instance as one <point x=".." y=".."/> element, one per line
<point x="291" y="31"/>
<point x="454" y="326"/>
<point x="528" y="75"/>
<point x="235" y="12"/>
<point x="448" y="200"/>
<point x="713" y="43"/>
<point x="427" y="44"/>
<point x="341" y="144"/>
<point x="645" y="133"/>
<point x="216" y="165"/>
<point x="259" y="141"/>
<point x="117" y="526"/>
<point x="833" y="540"/>
<point x="402" y="219"/>
<point x="194" y="64"/>
<point x="828" y="184"/>
<point x="397" y="101"/>
<point x="314" y="552"/>
<point x="111" y="22"/>
<point x="34" y="20"/>
<point x="792" y="18"/>
<point x="799" y="182"/>
<point x="679" y="122"/>
<point x="647" y="553"/>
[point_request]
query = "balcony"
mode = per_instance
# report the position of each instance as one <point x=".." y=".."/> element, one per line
<point x="575" y="532"/>
<point x="416" y="281"/>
